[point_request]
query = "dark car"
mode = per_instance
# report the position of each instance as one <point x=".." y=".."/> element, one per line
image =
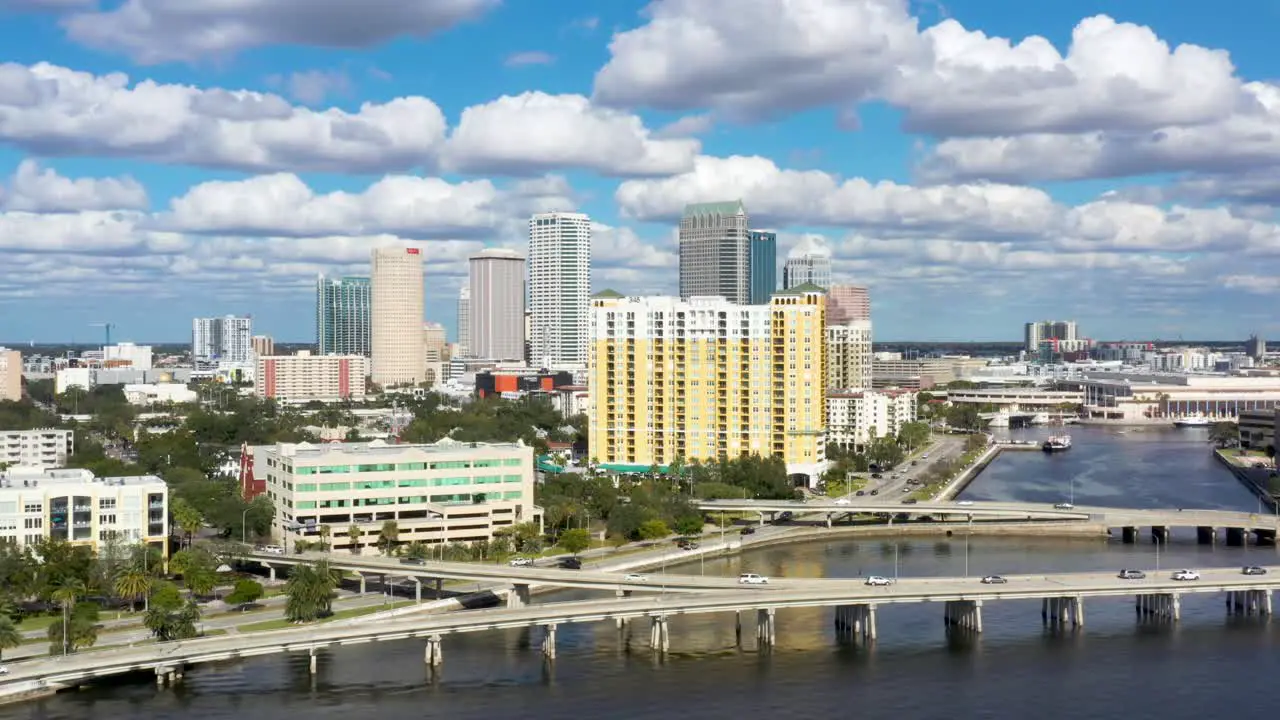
<point x="748" y="531"/>
<point x="1253" y="570"/>
<point x="412" y="561"/>
<point x="910" y="501"/>
<point x="571" y="563"/>
<point x="875" y="492"/>
<point x="877" y="476"/>
<point x="860" y="493"/>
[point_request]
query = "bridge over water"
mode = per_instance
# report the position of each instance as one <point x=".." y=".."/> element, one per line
<point x="856" y="605"/>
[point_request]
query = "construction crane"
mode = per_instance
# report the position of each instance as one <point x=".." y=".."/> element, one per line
<point x="107" y="326"/>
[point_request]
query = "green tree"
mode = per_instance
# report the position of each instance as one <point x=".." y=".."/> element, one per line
<point x="418" y="550"/>
<point x="325" y="532"/>
<point x="186" y="518"/>
<point x="170" y="617"/>
<point x="388" y="537"/>
<point x="9" y="636"/>
<point x="245" y="593"/>
<point x="133" y="583"/>
<point x="310" y="591"/>
<point x="575" y="541"/>
<point x="913" y="435"/>
<point x="653" y="530"/>
<point x="689" y="525"/>
<point x="353" y="536"/>
<point x="1224" y="434"/>
<point x="81" y="630"/>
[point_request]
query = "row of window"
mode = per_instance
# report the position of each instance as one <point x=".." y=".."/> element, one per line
<point x="411" y="500"/>
<point x="402" y="467"/>
<point x="386" y="484"/>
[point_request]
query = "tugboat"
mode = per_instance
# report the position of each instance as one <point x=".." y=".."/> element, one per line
<point x="1057" y="443"/>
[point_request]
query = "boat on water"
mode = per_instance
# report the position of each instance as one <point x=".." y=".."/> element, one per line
<point x="1192" y="421"/>
<point x="1057" y="443"/>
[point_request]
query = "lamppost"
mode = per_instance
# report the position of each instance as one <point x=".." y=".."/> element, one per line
<point x="244" y="526"/>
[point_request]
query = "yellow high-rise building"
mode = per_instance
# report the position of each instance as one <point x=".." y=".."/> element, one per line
<point x="704" y="379"/>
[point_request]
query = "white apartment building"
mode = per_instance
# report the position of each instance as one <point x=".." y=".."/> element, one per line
<point x="436" y="493"/>
<point x="73" y="505"/>
<point x="464" y="321"/>
<point x="305" y="377"/>
<point x="855" y="419"/>
<point x="395" y="316"/>
<point x="157" y="393"/>
<point x="849" y="355"/>
<point x="137" y="357"/>
<point x="497" y="304"/>
<point x="43" y="448"/>
<point x="10" y="375"/>
<point x="222" y="339"/>
<point x="559" y="288"/>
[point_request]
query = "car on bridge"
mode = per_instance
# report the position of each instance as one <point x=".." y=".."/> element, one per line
<point x="635" y="577"/>
<point x="844" y="501"/>
<point x="752" y="579"/>
<point x="965" y="503"/>
<point x="994" y="580"/>
<point x="1132" y="575"/>
<point x="520" y="562"/>
<point x="1253" y="570"/>
<point x="879" y="581"/>
<point x="1064" y="506"/>
<point x="1186" y="575"/>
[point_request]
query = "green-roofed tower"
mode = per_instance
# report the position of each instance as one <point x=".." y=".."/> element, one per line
<point x="715" y="251"/>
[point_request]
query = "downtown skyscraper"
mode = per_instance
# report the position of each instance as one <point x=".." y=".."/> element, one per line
<point x="559" y="288"/>
<point x="497" y="305"/>
<point x="764" y="266"/>
<point x="808" y="262"/>
<point x="715" y="251"/>
<point x="342" y="315"/>
<point x="396" y="302"/>
<point x="226" y="339"/>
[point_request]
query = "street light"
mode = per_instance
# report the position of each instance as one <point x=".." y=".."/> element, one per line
<point x="244" y="526"/>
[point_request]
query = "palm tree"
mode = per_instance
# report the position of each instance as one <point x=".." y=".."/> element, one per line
<point x="9" y="635"/>
<point x="187" y="518"/>
<point x="134" y="583"/>
<point x="353" y="534"/>
<point x="66" y="595"/>
<point x="310" y="590"/>
<point x="388" y="536"/>
<point x="325" y="532"/>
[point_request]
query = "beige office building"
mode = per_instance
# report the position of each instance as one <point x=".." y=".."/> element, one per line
<point x="443" y="492"/>
<point x="75" y="506"/>
<point x="497" y="305"/>
<point x="305" y="377"/>
<point x="849" y="355"/>
<point x="395" y="317"/>
<point x="847" y="302"/>
<point x="10" y="375"/>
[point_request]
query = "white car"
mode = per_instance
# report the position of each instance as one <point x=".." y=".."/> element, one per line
<point x="1186" y="575"/>
<point x="965" y="502"/>
<point x="520" y="562"/>
<point x="273" y="550"/>
<point x="752" y="579"/>
<point x="844" y="501"/>
<point x="635" y="577"/>
<point x="4" y="670"/>
<point x="878" y="581"/>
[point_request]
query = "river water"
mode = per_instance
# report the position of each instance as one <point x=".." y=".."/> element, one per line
<point x="1114" y="666"/>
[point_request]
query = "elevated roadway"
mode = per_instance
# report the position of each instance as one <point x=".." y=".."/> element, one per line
<point x="167" y="660"/>
<point x="1109" y="516"/>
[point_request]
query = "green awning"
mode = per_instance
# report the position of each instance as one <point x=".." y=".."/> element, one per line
<point x="630" y="469"/>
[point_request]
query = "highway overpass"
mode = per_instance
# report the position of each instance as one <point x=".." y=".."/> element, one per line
<point x="1108" y="516"/>
<point x="1062" y="596"/>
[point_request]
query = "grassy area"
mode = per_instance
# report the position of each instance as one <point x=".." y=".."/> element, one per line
<point x="282" y="624"/>
<point x="37" y="622"/>
<point x="840" y="488"/>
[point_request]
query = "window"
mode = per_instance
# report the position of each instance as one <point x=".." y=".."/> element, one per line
<point x="513" y="495"/>
<point x="107" y="519"/>
<point x="451" y="465"/>
<point x="305" y="471"/>
<point x="106" y="503"/>
<point x="512" y="478"/>
<point x="485" y="463"/>
<point x="412" y="483"/>
<point x="334" y="469"/>
<point x="305" y="487"/>
<point x="411" y="466"/>
<point x="306" y="505"/>
<point x="33" y="523"/>
<point x="332" y="487"/>
<point x="381" y="467"/>
<point x="33" y="507"/>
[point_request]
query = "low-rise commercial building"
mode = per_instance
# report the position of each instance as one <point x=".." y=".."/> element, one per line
<point x="855" y="419"/>
<point x="75" y="506"/>
<point x="435" y="493"/>
<point x="42" y="448"/>
<point x="922" y="373"/>
<point x="157" y="393"/>
<point x="1146" y="397"/>
<point x="305" y="377"/>
<point x="498" y="382"/>
<point x="1259" y="428"/>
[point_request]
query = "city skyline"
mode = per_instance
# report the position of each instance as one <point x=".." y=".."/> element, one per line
<point x="972" y="166"/>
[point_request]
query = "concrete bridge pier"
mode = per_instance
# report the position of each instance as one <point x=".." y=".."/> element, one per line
<point x="312" y="665"/>
<point x="1249" y="602"/>
<point x="1235" y="537"/>
<point x="1059" y="611"/>
<point x="737" y="628"/>
<point x="963" y="615"/>
<point x="433" y="656"/>
<point x="621" y="622"/>
<point x="357" y="574"/>
<point x="1160" y="606"/>
<point x="519" y="596"/>
<point x="1264" y="537"/>
<point x="168" y="675"/>
<point x="829" y="521"/>
<point x="1160" y="534"/>
<point x="1205" y="535"/>
<point x="1129" y="535"/>
<point x="855" y="621"/>
<point x="766" y="632"/>
<point x="549" y="641"/>
<point x="271" y="572"/>
<point x="439" y="588"/>
<point x="417" y="590"/>
<point x="659" y="634"/>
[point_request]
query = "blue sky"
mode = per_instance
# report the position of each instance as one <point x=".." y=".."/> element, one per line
<point x="976" y="163"/>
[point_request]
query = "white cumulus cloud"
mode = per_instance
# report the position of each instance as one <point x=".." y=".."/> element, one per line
<point x="37" y="190"/>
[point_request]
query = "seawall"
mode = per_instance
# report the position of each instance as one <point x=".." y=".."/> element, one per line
<point x="957" y="486"/>
<point x="1255" y="479"/>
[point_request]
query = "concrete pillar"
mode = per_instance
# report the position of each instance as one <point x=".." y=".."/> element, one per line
<point x="160" y="676"/>
<point x="518" y="597"/>
<point x="828" y="520"/>
<point x="417" y="590"/>
<point x="870" y="622"/>
<point x="1129" y="535"/>
<point x="271" y="572"/>
<point x="659" y="634"/>
<point x="1235" y="537"/>
<point x="1160" y="534"/>
<point x="1205" y="535"/>
<point x="1078" y="611"/>
<point x="313" y="661"/>
<point x="1266" y="601"/>
<point x="737" y="628"/>
<point x="434" y="654"/>
<point x="977" y="616"/>
<point x="1175" y="607"/>
<point x="362" y="582"/>
<point x="549" y="641"/>
<point x="440" y="589"/>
